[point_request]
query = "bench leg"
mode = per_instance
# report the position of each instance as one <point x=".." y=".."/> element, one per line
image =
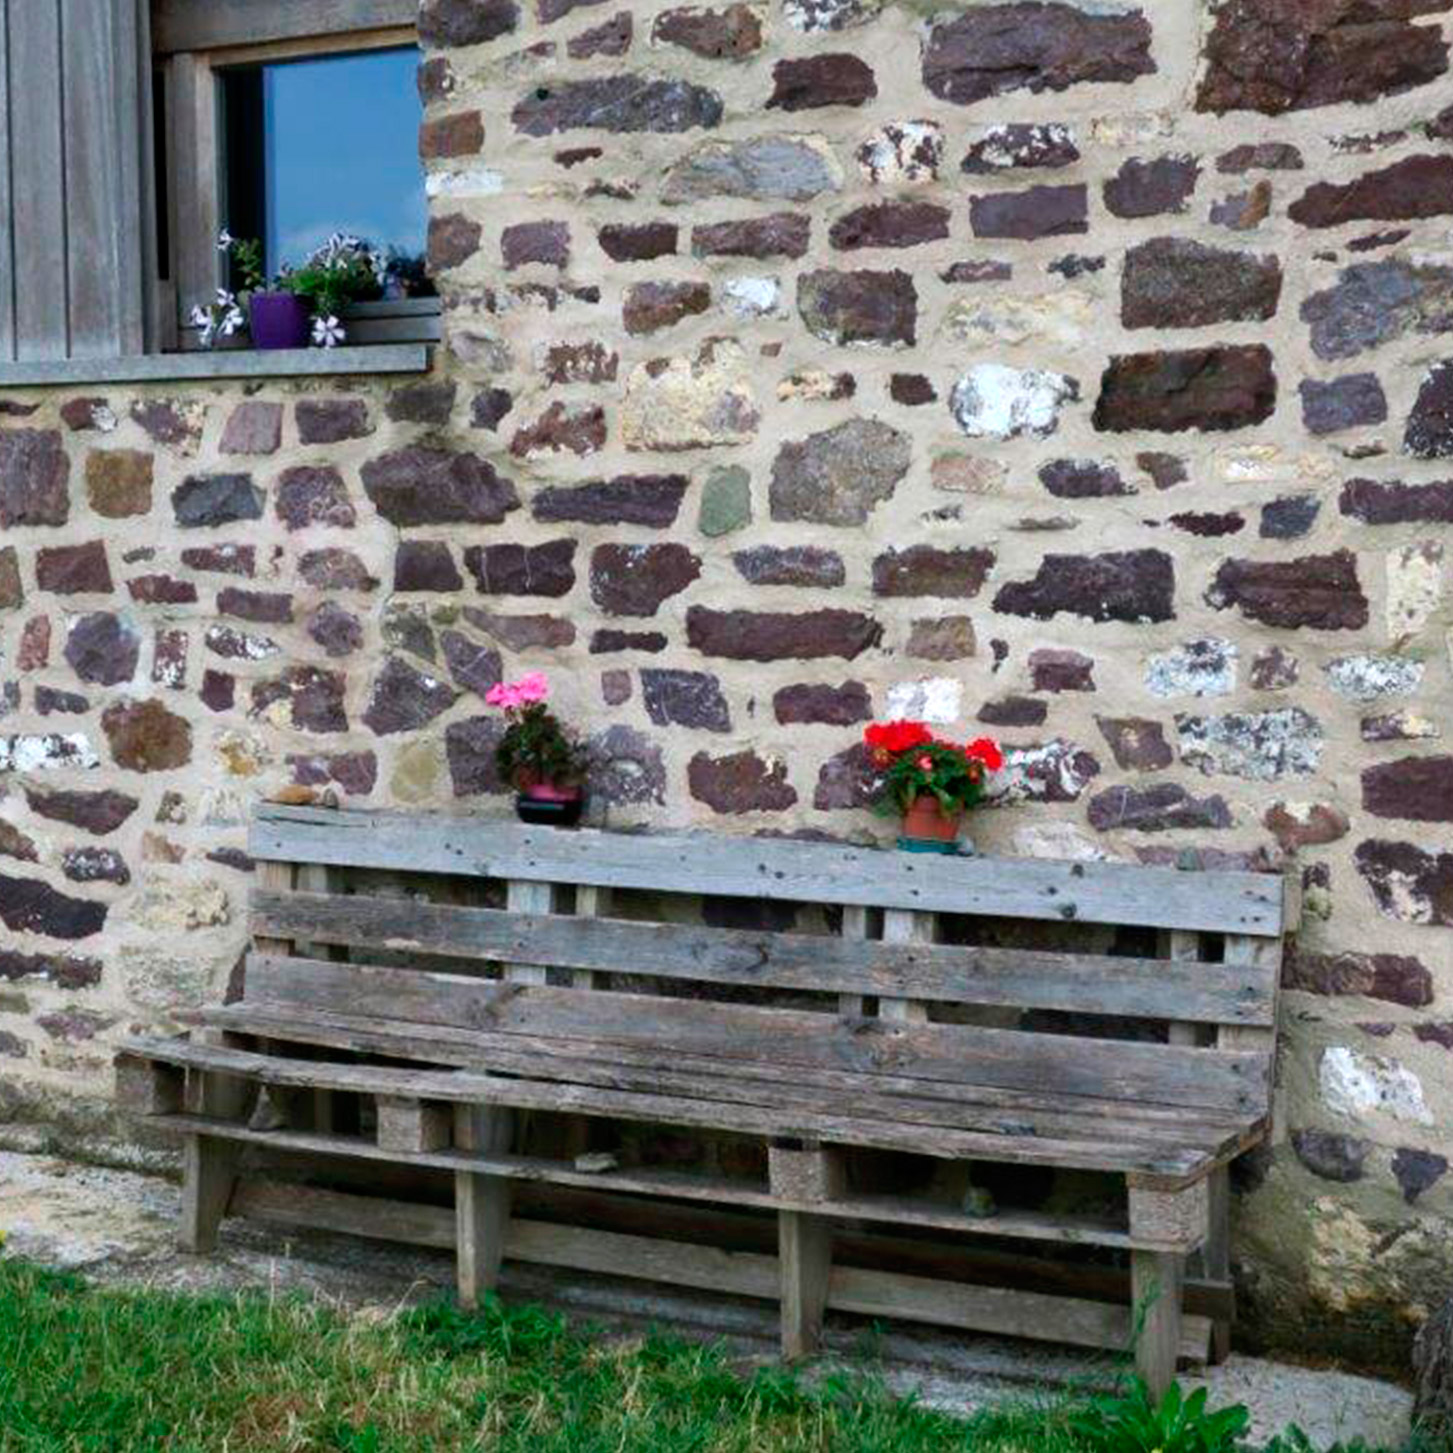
<point x="1216" y="1255"/>
<point x="209" y="1165"/>
<point x="481" y="1202"/>
<point x="1156" y="1279"/>
<point x="804" y="1243"/>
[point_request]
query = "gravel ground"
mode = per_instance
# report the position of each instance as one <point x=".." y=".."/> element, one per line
<point x="117" y="1226"/>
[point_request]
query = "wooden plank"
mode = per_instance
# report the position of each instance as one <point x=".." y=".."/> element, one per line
<point x="410" y="1125"/>
<point x="1150" y="1162"/>
<point x="532" y="898"/>
<point x="1069" y="1229"/>
<point x="1169" y="1218"/>
<point x="209" y="1163"/>
<point x="186" y="25"/>
<point x="1094" y="892"/>
<point x="1262" y="957"/>
<point x="806" y="1176"/>
<point x="1209" y="1079"/>
<point x="102" y="111"/>
<point x="335" y="364"/>
<point x="1156" y="1278"/>
<point x="481" y="1201"/>
<point x="1216" y="1256"/>
<point x="38" y="180"/>
<point x="804" y="1262"/>
<point x="903" y="926"/>
<point x="851" y="965"/>
<point x="194" y="200"/>
<point x="1014" y="1114"/>
<point x="7" y="215"/>
<point x="1179" y="947"/>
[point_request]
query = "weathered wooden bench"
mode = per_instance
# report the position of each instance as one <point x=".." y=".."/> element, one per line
<point x="518" y="1007"/>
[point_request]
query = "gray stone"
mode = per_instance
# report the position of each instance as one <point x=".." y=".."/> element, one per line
<point x="626" y="768"/>
<point x="618" y="103"/>
<point x="1263" y="746"/>
<point x="761" y="168"/>
<point x="1164" y="807"/>
<point x="203" y="500"/>
<point x="1331" y="1156"/>
<point x="685" y="698"/>
<point x="1374" y="302"/>
<point x="840" y="476"/>
<point x="1342" y="403"/>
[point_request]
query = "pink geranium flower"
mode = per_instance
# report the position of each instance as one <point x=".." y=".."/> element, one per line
<point x="511" y="695"/>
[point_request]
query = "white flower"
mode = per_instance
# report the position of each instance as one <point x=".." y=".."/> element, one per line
<point x="328" y="332"/>
<point x="224" y="240"/>
<point x="231" y="322"/>
<point x="198" y="317"/>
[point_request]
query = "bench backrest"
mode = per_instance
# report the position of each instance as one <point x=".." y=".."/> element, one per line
<point x="1211" y="977"/>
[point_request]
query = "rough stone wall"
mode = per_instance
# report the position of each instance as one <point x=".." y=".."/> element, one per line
<point x="1077" y="374"/>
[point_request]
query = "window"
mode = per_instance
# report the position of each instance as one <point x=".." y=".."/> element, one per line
<point x="284" y="119"/>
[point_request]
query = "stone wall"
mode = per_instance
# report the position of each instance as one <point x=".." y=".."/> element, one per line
<point x="1076" y="374"/>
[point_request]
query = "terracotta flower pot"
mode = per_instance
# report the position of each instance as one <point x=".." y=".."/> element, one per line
<point x="926" y="821"/>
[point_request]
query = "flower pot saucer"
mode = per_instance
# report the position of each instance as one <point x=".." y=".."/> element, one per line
<point x="956" y="849"/>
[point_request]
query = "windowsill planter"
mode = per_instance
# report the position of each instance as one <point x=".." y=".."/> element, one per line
<point x="225" y="363"/>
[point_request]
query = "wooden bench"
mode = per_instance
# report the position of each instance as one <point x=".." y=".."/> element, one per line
<point x="494" y="1002"/>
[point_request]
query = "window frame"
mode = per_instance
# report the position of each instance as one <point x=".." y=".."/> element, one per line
<point x="192" y="41"/>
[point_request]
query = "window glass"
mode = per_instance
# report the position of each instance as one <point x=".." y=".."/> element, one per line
<point x="340" y="154"/>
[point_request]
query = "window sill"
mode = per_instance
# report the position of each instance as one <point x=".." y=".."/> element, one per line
<point x="226" y="363"/>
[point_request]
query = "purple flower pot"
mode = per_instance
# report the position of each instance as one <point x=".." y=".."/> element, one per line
<point x="279" y="320"/>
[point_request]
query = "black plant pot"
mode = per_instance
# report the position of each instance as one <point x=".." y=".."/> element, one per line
<point x="549" y="811"/>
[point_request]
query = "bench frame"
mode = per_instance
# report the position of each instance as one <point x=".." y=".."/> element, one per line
<point x="461" y="1121"/>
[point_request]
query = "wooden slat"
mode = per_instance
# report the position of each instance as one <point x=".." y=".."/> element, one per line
<point x="1103" y="1069"/>
<point x="850" y="965"/>
<point x="531" y="898"/>
<point x="1156" y="1282"/>
<point x="850" y="1289"/>
<point x="187" y="25"/>
<point x="1159" y="1162"/>
<point x="194" y="195"/>
<point x="902" y="926"/>
<point x="1262" y="957"/>
<point x="38" y="177"/>
<point x="1182" y="947"/>
<point x="1069" y="1229"/>
<point x="7" y="215"/>
<point x="102" y="111"/>
<point x="481" y="1200"/>
<point x="1119" y="893"/>
<point x="804" y="1261"/>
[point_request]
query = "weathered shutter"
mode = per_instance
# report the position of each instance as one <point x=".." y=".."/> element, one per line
<point x="72" y="105"/>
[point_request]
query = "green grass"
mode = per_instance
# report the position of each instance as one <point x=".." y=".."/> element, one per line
<point x="94" y="1369"/>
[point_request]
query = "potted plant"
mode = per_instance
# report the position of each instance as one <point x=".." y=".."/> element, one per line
<point x="930" y="783"/>
<point x="537" y="756"/>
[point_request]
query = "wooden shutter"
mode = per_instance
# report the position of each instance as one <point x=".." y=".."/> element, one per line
<point x="74" y="107"/>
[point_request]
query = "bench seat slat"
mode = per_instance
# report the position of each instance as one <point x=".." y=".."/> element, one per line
<point x="1113" y="1152"/>
<point x="1104" y="1069"/>
<point x="1084" y="892"/>
<point x="1077" y="983"/>
<point x="894" y="1098"/>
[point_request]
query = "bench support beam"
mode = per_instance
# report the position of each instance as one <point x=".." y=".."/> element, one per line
<point x="209" y="1164"/>
<point x="1156" y="1279"/>
<point x="481" y="1202"/>
<point x="804" y="1248"/>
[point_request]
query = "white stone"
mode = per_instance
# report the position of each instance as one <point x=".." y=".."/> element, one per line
<point x="1059" y="840"/>
<point x="996" y="149"/>
<point x="903" y="153"/>
<point x="994" y="401"/>
<point x="1414" y="589"/>
<point x="165" y="904"/>
<point x="814" y="15"/>
<point x="935" y="699"/>
<point x="1198" y="668"/>
<point x="1131" y="128"/>
<point x="1370" y="678"/>
<point x="1356" y="1085"/>
<point x="691" y="403"/>
<point x="474" y="182"/>
<point x="751" y="297"/>
<point x="1054" y="771"/>
<point x="47" y="751"/>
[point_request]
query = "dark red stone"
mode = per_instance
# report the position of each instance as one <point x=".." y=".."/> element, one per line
<point x="510" y="569"/>
<point x="1208" y="524"/>
<point x="816" y="703"/>
<point x="859" y="307"/>
<point x="49" y="700"/>
<point x="821" y="80"/>
<point x="685" y="698"/>
<point x="95" y="865"/>
<point x="426" y="565"/>
<point x="912" y="390"/>
<point x="1055" y="669"/>
<point x="578" y="429"/>
<point x="523" y="633"/>
<point x="652" y="500"/>
<point x="418" y="486"/>
<point x="331" y="421"/>
<point x="1082" y="479"/>
<point x="28" y="905"/>
<point x="1021" y="146"/>
<point x="547" y="243"/>
<point x="219" y="690"/>
<point x="1137" y="744"/>
<point x="470" y="747"/>
<point x="590" y="362"/>
<point x="1013" y="711"/>
<point x="1031" y="214"/>
<point x="1391" y="978"/>
<point x="335" y="569"/>
<point x="890" y="224"/>
<point x="730" y="32"/>
<point x="740" y="783"/>
<point x="618" y="103"/>
<point x="447" y="23"/>
<point x="1152" y="188"/>
<point x="34" y="469"/>
<point x="103" y="649"/>
<point x="166" y="422"/>
<point x="742" y="635"/>
<point x="1408" y="883"/>
<point x="1210" y="389"/>
<point x="1135" y="586"/>
<point x="475" y="667"/>
<point x="1262" y="156"/>
<point x="1390" y="502"/>
<point x="1419" y="789"/>
<point x="404" y="699"/>
<point x="74" y="569"/>
<point x="422" y="403"/>
<point x="453" y="240"/>
<point x="1173" y="282"/>
<point x="1164" y="807"/>
<point x="337" y="631"/>
<point x="1269" y="56"/>
<point x="268" y="608"/>
<point x="1418" y="186"/>
<point x="638" y="242"/>
<point x="611" y="38"/>
<point x="650" y="307"/>
<point x="608" y="641"/>
<point x="98" y="813"/>
<point x="634" y="580"/>
<point x="489" y="408"/>
<point x="315" y="698"/>
<point x="461" y="133"/>
<point x="781" y="234"/>
<point x="83" y="415"/>
<point x="64" y="971"/>
<point x="34" y="651"/>
<point x="920" y="570"/>
<point x="1429" y="433"/>
<point x="1032" y="46"/>
<point x="161" y="590"/>
<point x="222" y="559"/>
<point x="1320" y="591"/>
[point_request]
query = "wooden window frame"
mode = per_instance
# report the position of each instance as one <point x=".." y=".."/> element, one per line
<point x="192" y="40"/>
